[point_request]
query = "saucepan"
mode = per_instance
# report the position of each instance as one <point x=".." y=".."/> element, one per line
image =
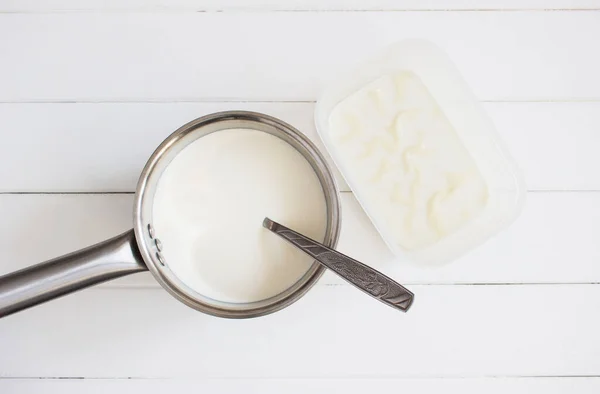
<point x="139" y="249"/>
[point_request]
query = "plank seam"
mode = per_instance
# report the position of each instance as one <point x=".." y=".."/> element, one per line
<point x="217" y="100"/>
<point x="116" y="192"/>
<point x="152" y="286"/>
<point x="354" y="377"/>
<point x="283" y="10"/>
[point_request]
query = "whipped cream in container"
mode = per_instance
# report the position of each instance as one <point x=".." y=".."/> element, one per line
<point x="421" y="156"/>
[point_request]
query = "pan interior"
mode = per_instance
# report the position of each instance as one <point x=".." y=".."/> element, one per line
<point x="149" y="240"/>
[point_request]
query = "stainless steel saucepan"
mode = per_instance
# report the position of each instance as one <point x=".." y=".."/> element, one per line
<point x="139" y="249"/>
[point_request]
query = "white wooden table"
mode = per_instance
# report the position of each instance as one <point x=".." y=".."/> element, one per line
<point x="89" y="88"/>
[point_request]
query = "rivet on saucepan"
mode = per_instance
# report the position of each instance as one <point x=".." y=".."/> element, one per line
<point x="150" y="231"/>
<point x="161" y="260"/>
<point x="158" y="244"/>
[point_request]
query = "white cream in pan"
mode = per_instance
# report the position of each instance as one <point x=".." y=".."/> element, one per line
<point x="209" y="207"/>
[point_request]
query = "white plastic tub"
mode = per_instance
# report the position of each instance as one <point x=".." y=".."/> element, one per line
<point x="471" y="124"/>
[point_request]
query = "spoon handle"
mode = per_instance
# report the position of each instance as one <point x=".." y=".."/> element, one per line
<point x="372" y="282"/>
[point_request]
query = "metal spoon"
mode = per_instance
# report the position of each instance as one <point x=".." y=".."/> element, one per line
<point x="372" y="282"/>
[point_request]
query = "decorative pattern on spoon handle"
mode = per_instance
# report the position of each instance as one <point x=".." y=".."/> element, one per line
<point x="360" y="275"/>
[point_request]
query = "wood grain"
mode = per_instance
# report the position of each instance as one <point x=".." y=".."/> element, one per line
<point x="284" y="56"/>
<point x="552" y="385"/>
<point x="554" y="241"/>
<point x="292" y="5"/>
<point x="333" y="332"/>
<point x="103" y="147"/>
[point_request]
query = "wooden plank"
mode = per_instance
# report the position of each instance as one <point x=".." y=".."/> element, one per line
<point x="108" y="144"/>
<point x="552" y="385"/>
<point x="554" y="143"/>
<point x="103" y="147"/>
<point x="554" y="241"/>
<point x="293" y="5"/>
<point x="334" y="332"/>
<point x="284" y="56"/>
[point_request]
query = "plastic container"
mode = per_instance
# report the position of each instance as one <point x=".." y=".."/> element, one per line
<point x="475" y="130"/>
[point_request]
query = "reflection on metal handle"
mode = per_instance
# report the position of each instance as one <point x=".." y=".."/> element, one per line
<point x="362" y="276"/>
<point x="107" y="260"/>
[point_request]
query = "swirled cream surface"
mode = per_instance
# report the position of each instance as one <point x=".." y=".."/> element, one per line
<point x="414" y="173"/>
<point x="209" y="206"/>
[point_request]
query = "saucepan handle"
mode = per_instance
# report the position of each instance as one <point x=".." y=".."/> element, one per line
<point x="113" y="258"/>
